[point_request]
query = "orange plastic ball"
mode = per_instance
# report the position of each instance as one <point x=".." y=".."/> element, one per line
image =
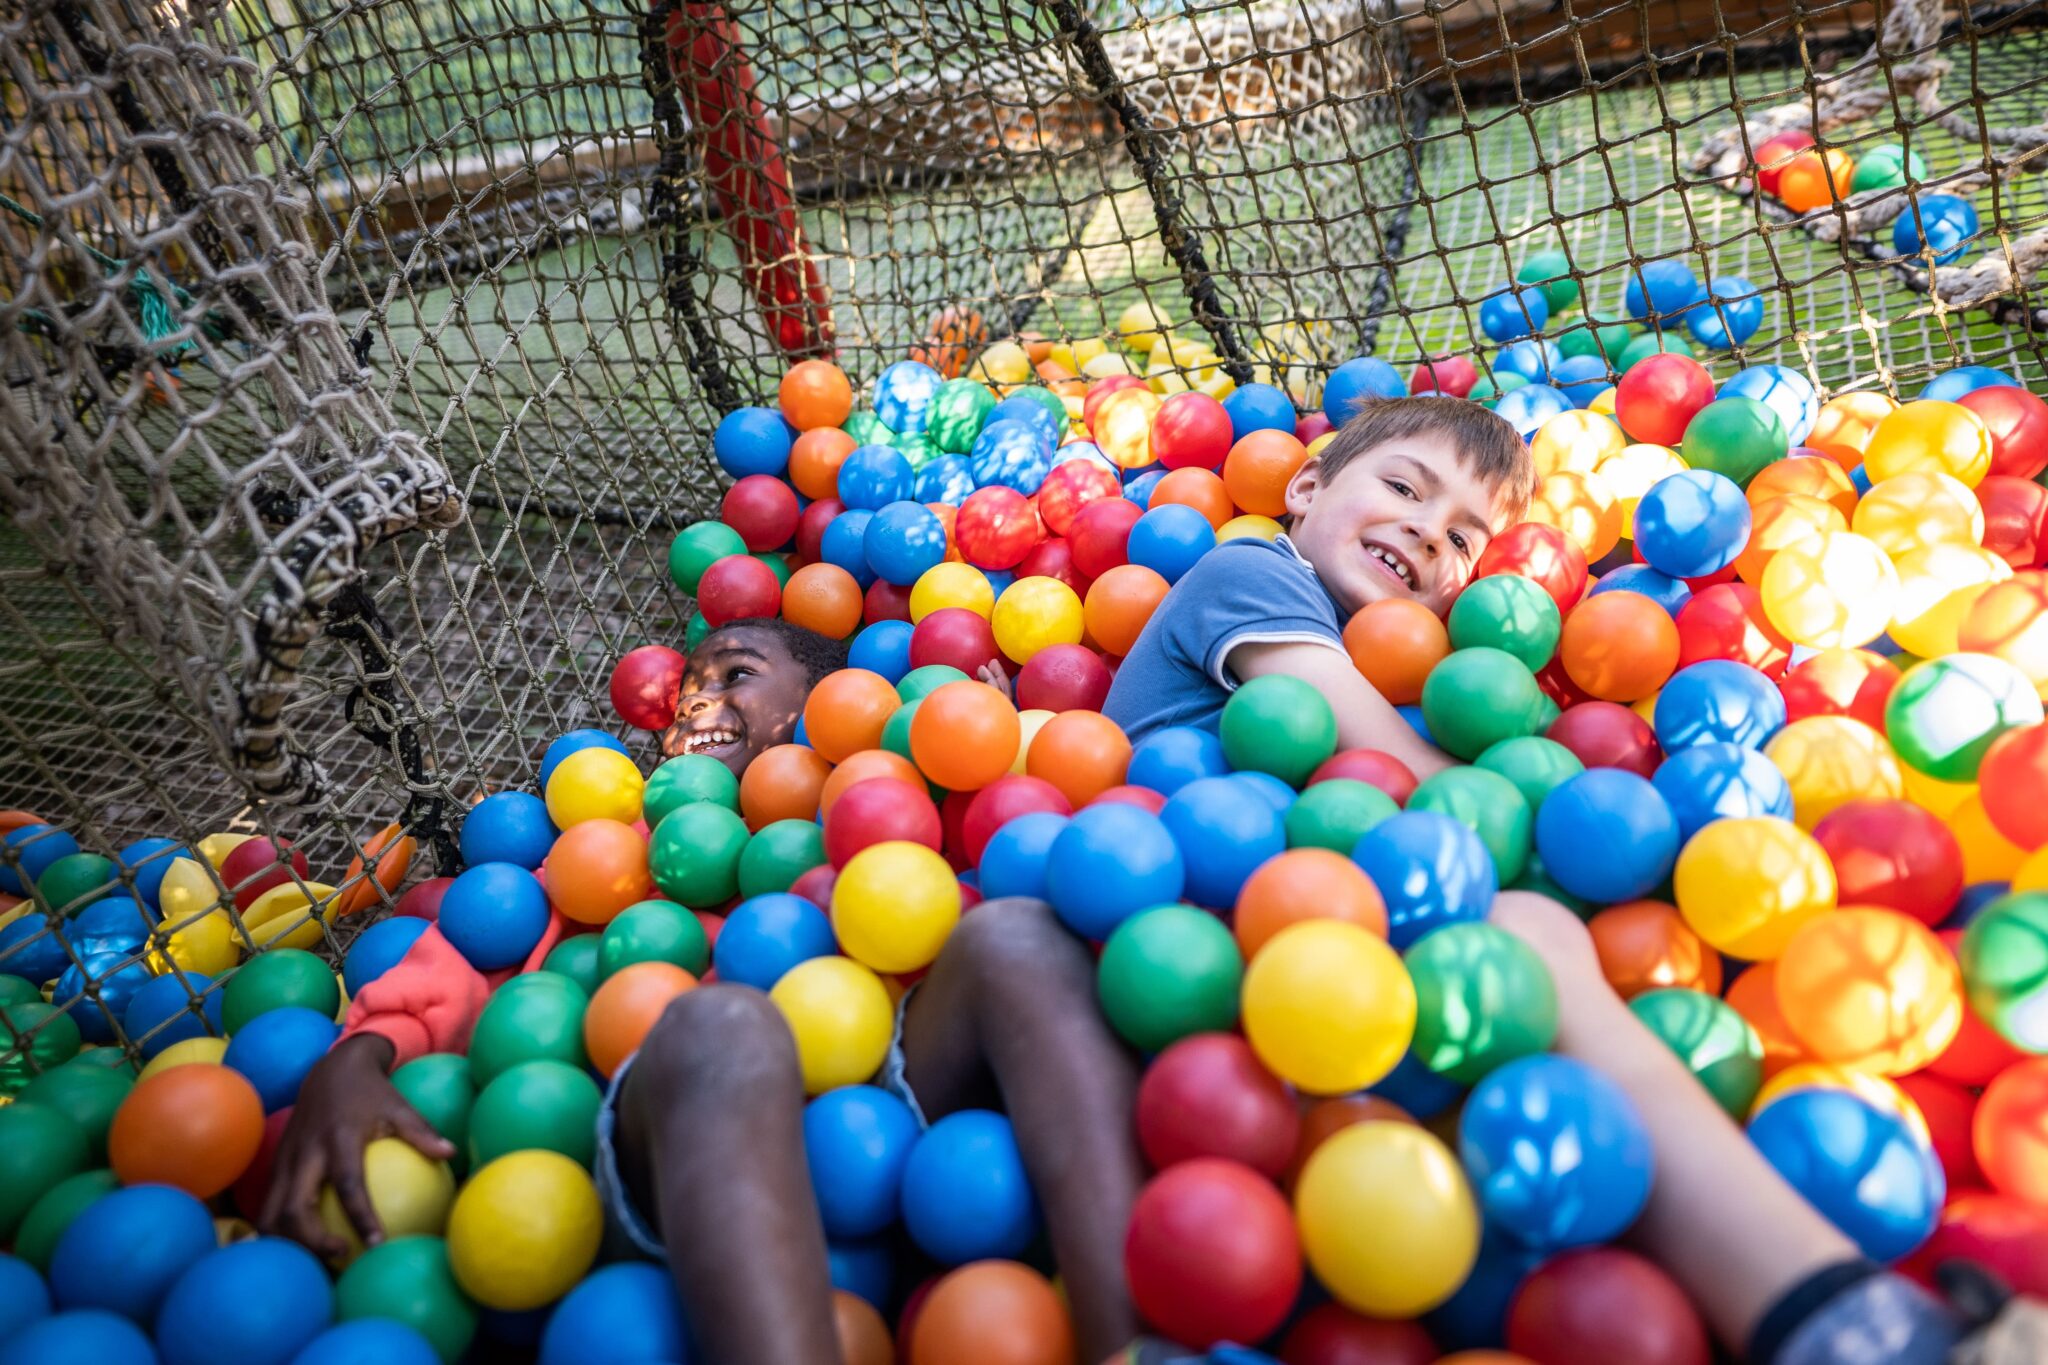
<point x="1583" y="507"/>
<point x="597" y="869"/>
<point x="1814" y="179"/>
<point x="814" y="460"/>
<point x="1648" y="946"/>
<point x="625" y="1007"/>
<point x="824" y="598"/>
<point x="992" y="1313"/>
<point x="1842" y="431"/>
<point x="862" y="766"/>
<point x="1303" y="884"/>
<point x="1120" y="603"/>
<point x="1083" y="753"/>
<point x="1326" y="1118"/>
<point x="1618" y="646"/>
<point x="1257" y="469"/>
<point x="1754" y="996"/>
<point x="196" y="1127"/>
<point x="1394" y="643"/>
<point x="964" y="736"/>
<point x="784" y="783"/>
<point x="846" y="712"/>
<point x="1809" y="475"/>
<point x="393" y="848"/>
<point x="1870" y="989"/>
<point x="863" y="1336"/>
<point x="2010" y="1131"/>
<point x="2010" y="622"/>
<point x="816" y="393"/>
<point x="1786" y="520"/>
<point x="1201" y="489"/>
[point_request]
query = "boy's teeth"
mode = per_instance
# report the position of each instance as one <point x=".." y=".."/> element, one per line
<point x="1400" y="569"/>
<point x="710" y="739"/>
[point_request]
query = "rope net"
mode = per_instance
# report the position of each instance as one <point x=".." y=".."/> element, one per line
<point x="360" y="360"/>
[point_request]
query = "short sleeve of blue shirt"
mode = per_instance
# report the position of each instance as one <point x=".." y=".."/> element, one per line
<point x="1242" y="592"/>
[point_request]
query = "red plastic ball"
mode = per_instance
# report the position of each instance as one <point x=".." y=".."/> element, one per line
<point x="2018" y="423"/>
<point x="644" y="686"/>
<point x="763" y="509"/>
<point x="424" y="901"/>
<point x="1331" y="1334"/>
<point x="1605" y="1306"/>
<point x="253" y="1185"/>
<point x="1101" y="535"/>
<point x="996" y="528"/>
<point x="256" y="865"/>
<point x="885" y="601"/>
<point x="1191" y="431"/>
<point x="2010" y="1132"/>
<point x="1063" y="678"/>
<point x="810" y="528"/>
<point x="816" y="885"/>
<point x="1949" y="1110"/>
<point x="1978" y="1053"/>
<point x="1211" y="1255"/>
<point x="1053" y="558"/>
<point x="953" y="820"/>
<point x="1000" y="802"/>
<point x="1605" y="734"/>
<point x="2007" y="1237"/>
<point x="1559" y="687"/>
<point x="1144" y="798"/>
<point x="2015" y="519"/>
<point x="955" y="636"/>
<point x="1727" y="621"/>
<point x="1659" y="395"/>
<point x="1893" y="854"/>
<point x="736" y="588"/>
<point x="1101" y="389"/>
<point x="1371" y="766"/>
<point x="2013" y="782"/>
<point x="1451" y="374"/>
<point x="1840" y="682"/>
<point x="1208" y="1096"/>
<point x="1309" y="426"/>
<point x="1774" y="152"/>
<point x="1543" y="553"/>
<point x="880" y="810"/>
<point x="1071" y="487"/>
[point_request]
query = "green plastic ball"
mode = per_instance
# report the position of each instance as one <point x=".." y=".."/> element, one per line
<point x="1534" y="764"/>
<point x="777" y="565"/>
<point x="958" y="410"/>
<point x="1716" y="1044"/>
<point x="408" y="1280"/>
<point x="1333" y="814"/>
<point x="1476" y="698"/>
<point x="15" y="990"/>
<point x="576" y="958"/>
<point x="2004" y="955"/>
<point x="1482" y="999"/>
<point x="1535" y="879"/>
<point x="1486" y="803"/>
<point x="1054" y="405"/>
<point x="439" y="1086"/>
<point x="919" y="683"/>
<point x="1945" y="713"/>
<point x="275" y="979"/>
<point x="1735" y="437"/>
<point x="694" y="633"/>
<point x="35" y="1241"/>
<point x="75" y="881"/>
<point x="1647" y="345"/>
<point x="1485" y="389"/>
<point x="1507" y="612"/>
<point x="917" y="448"/>
<point x="696" y="548"/>
<point x="87" y="1095"/>
<point x="896" y="729"/>
<point x="1551" y="272"/>
<point x="654" y="931"/>
<point x="695" y="855"/>
<point x="1887" y="167"/>
<point x="1600" y="334"/>
<point x="1169" y="972"/>
<point x="866" y="429"/>
<point x="778" y="854"/>
<point x="39" y="1146"/>
<point x="546" y="1104"/>
<point x="538" y="1015"/>
<point x="1278" y="725"/>
<point x="681" y="780"/>
<point x="34" y="1038"/>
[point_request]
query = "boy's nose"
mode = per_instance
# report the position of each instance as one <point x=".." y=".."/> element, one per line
<point x="1426" y="537"/>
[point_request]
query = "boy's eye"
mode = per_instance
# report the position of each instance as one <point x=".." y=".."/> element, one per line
<point x="1458" y="540"/>
<point x="1403" y="489"/>
<point x="736" y="672"/>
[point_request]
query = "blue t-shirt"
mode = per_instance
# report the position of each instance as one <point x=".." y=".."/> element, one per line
<point x="1243" y="591"/>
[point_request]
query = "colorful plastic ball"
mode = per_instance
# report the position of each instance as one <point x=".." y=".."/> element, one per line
<point x="653" y="931"/>
<point x="126" y="1249"/>
<point x="857" y="1142"/>
<point x="964" y="735"/>
<point x="1869" y="989"/>
<point x="1258" y="407"/>
<point x="1313" y="882"/>
<point x="894" y="905"/>
<point x="1945" y="713"/>
<point x="508" y="827"/>
<point x="1328" y="1006"/>
<point x="763" y="509"/>
<point x="1488" y="804"/>
<point x="1663" y="288"/>
<point x="1063" y="678"/>
<point x="1331" y="1334"/>
<point x="1816" y="178"/>
<point x="1618" y="646"/>
<point x="882" y="648"/>
<point x="1838" y="592"/>
<point x="494" y="914"/>
<point x="1692" y="524"/>
<point x="1108" y="863"/>
<point x="1100" y="536"/>
<point x="1581" y="378"/>
<point x="524" y="1230"/>
<point x="1529" y="361"/>
<point x="1861" y="1168"/>
<point x="1168" y="759"/>
<point x="1646" y="945"/>
<point x="1558" y="1156"/>
<point x="195" y="1127"/>
<point x="1278" y="725"/>
<point x="991" y="1313"/>
<point x="879" y="810"/>
<point x="24" y="1298"/>
<point x="738" y="587"/>
<point x="1431" y="871"/>
<point x="1387" y="1220"/>
<point x="1607" y="835"/>
<point x="541" y="1017"/>
<point x="1651" y="344"/>
<point x="956" y="637"/>
<point x="1208" y="1096"/>
<point x="966" y="1195"/>
<point x="1528" y="408"/>
<point x="768" y="935"/>
<point x="1735" y="437"/>
<point x="1446" y="374"/>
<point x="561" y="748"/>
<point x="1191" y="431"/>
<point x="752" y="441"/>
<point x="1394" y="643"/>
<point x="1929" y="435"/>
<point x="2004" y="956"/>
<point x="902" y="541"/>
<point x="275" y="1050"/>
<point x="846" y="711"/>
<point x="1505" y="612"/>
<point x="843" y="545"/>
<point x="1774" y="153"/>
<point x="694" y="854"/>
<point x="259" y="1301"/>
<point x="1893" y="855"/>
<point x="2016" y="519"/>
<point x="1727" y="621"/>
<point x="1729" y="316"/>
<point x="1169" y="539"/>
<point x="596" y="870"/>
<point x="1941" y="225"/>
<point x="1721" y="781"/>
<point x="1785" y="391"/>
<point x="1483" y="999"/>
<point x="1478" y="697"/>
<point x="874" y="476"/>
<point x="2017" y="422"/>
<point x="1357" y="382"/>
<point x="1718" y="701"/>
<point x="1512" y="312"/>
<point x="1035" y="614"/>
<point x="1604" y="1304"/>
<point x="371" y="1341"/>
<point x="842" y="1019"/>
<point x="1212" y="1254"/>
<point x="1840" y="682"/>
<point x="1010" y="454"/>
<point x="1747" y="885"/>
<point x="1167" y="973"/>
<point x="597" y="783"/>
<point x="1539" y="552"/>
<point x="1014" y="861"/>
<point x="1718" y="1046"/>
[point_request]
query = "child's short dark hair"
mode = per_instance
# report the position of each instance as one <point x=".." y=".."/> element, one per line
<point x="1488" y="445"/>
<point x="816" y="654"/>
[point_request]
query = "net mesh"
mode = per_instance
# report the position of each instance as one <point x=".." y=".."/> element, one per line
<point x="360" y="360"/>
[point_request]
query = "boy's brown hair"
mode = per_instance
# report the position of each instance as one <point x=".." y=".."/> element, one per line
<point x="1486" y="443"/>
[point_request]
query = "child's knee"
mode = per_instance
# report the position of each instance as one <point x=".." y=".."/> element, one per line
<point x="1557" y="935"/>
<point x="1013" y="932"/>
<point x="719" y="1030"/>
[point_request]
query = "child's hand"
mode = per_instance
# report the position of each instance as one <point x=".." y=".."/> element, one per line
<point x="992" y="673"/>
<point x="346" y="1101"/>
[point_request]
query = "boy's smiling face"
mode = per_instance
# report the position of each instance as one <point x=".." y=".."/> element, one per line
<point x="1406" y="518"/>
<point x="742" y="693"/>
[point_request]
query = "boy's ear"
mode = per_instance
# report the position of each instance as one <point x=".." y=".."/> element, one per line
<point x="1303" y="487"/>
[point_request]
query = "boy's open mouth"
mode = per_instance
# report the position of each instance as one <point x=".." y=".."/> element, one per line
<point x="714" y="742"/>
<point x="1392" y="563"/>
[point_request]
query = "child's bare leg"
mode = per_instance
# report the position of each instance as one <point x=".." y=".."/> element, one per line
<point x="1009" y="1008"/>
<point x="710" y="1139"/>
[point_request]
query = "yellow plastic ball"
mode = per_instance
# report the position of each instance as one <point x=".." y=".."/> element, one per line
<point x="215" y="848"/>
<point x="1575" y="443"/>
<point x="1328" y="1006"/>
<point x="893" y="906"/>
<point x="198" y="926"/>
<point x="1929" y="435"/>
<point x="289" y="916"/>
<point x="1583" y="507"/>
<point x="1633" y="471"/>
<point x="410" y="1193"/>
<point x="1932" y="794"/>
<point x="1004" y="362"/>
<point x="1816" y="476"/>
<point x="1387" y="1220"/>
<point x="1084" y="350"/>
<point x="1842" y="431"/>
<point x="1123" y="427"/>
<point x="952" y="584"/>
<point x="1917" y="509"/>
<point x="1829" y="761"/>
<point x="1839" y="592"/>
<point x="1141" y="325"/>
<point x="1035" y="614"/>
<point x="2032" y="875"/>
<point x="1988" y="856"/>
<point x="1784" y="522"/>
<point x="842" y="1019"/>
<point x="1111" y="363"/>
<point x="1320" y="443"/>
<point x="1938" y="584"/>
<point x="1249" y="524"/>
<point x="2009" y="621"/>
<point x="1872" y="990"/>
<point x="1603" y="401"/>
<point x="1747" y="885"/>
<point x="595" y="784"/>
<point x="524" y="1230"/>
<point x="1029" y="723"/>
<point x="185" y="1052"/>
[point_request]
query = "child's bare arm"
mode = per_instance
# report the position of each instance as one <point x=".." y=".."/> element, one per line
<point x="1365" y="719"/>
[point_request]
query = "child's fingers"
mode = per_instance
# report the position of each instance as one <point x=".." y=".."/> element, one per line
<point x="407" y="1124"/>
<point x="292" y="1207"/>
<point x="346" y="1176"/>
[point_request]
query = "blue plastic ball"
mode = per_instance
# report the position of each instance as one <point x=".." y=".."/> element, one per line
<point x="1356" y="382"/>
<point x="1258" y="407"/>
<point x="1281" y="796"/>
<point x="903" y="396"/>
<point x="1953" y="384"/>
<point x="1692" y="524"/>
<point x="24" y="1297"/>
<point x="903" y="540"/>
<point x="127" y="1248"/>
<point x="1431" y="871"/>
<point x="37" y="846"/>
<point x="1139" y="489"/>
<point x="1534" y="361"/>
<point x="1012" y="454"/>
<point x="494" y="914"/>
<point x="1013" y="862"/>
<point x="752" y="441"/>
<point x="1167" y="760"/>
<point x="883" y="648"/>
<point x="948" y="479"/>
<point x="111" y="924"/>
<point x="857" y="1141"/>
<point x="767" y="935"/>
<point x="1720" y="700"/>
<point x="1971" y="903"/>
<point x="378" y="949"/>
<point x="1033" y="413"/>
<point x="1944" y="224"/>
<point x="1665" y="288"/>
<point x="866" y="1270"/>
<point x="1783" y="390"/>
<point x="160" y="1012"/>
<point x="276" y="1049"/>
<point x="1557" y="1154"/>
<point x="966" y="1196"/>
<point x="1717" y="781"/>
<point x="621" y="1314"/>
<point x="1862" y="1169"/>
<point x="1512" y="312"/>
<point x="1529" y="407"/>
<point x="1581" y="378"/>
<point x="146" y="861"/>
<point x="32" y="948"/>
<point x="98" y="995"/>
<point x="88" y="1335"/>
<point x="872" y="477"/>
<point x="845" y="543"/>
<point x="1412" y="713"/>
<point x="575" y="742"/>
<point x="520" y="1329"/>
<point x="999" y="580"/>
<point x="1732" y="312"/>
<point x="370" y="1341"/>
<point x="1421" y="1092"/>
<point x="1223" y="837"/>
<point x="1111" y="861"/>
<point x="1475" y="1318"/>
<point x="508" y="827"/>
<point x="1168" y="540"/>
<point x="1606" y="835"/>
<point x="257" y="1302"/>
<point x="1667" y="592"/>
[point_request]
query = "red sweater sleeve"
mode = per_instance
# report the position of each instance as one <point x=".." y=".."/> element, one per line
<point x="430" y="1000"/>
